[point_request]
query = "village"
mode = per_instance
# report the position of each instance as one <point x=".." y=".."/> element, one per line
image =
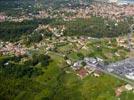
<point x="84" y="67"/>
<point x="64" y="45"/>
<point x="45" y="53"/>
<point x="94" y="67"/>
<point x="110" y="11"/>
<point x="7" y="48"/>
<point x="105" y="10"/>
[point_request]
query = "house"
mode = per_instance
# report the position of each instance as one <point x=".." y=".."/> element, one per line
<point x="68" y="62"/>
<point x="128" y="87"/>
<point x="90" y="61"/>
<point x="82" y="72"/>
<point x="123" y="88"/>
<point x="130" y="75"/>
<point x="99" y="59"/>
<point x="77" y="65"/>
<point x="119" y="91"/>
<point x="89" y="69"/>
<point x="97" y="73"/>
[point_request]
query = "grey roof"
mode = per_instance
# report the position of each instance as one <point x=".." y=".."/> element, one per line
<point x="122" y="68"/>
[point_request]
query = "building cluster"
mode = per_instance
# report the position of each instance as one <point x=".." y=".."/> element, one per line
<point x="10" y="48"/>
<point x="57" y="31"/>
<point x="123" y="42"/>
<point x="105" y="10"/>
<point x="121" y="89"/>
<point x="112" y="11"/>
<point x="51" y="44"/>
<point x="41" y="14"/>
<point x="108" y="1"/>
<point x="2" y="17"/>
<point x="87" y="66"/>
<point x="123" y="68"/>
<point x="21" y="18"/>
<point x="18" y="19"/>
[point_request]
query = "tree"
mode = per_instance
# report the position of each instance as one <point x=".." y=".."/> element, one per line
<point x="44" y="59"/>
<point x="80" y="55"/>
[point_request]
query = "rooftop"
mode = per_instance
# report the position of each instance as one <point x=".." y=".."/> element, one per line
<point x="123" y="68"/>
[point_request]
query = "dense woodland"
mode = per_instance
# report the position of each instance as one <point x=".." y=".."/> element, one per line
<point x="17" y="75"/>
<point x="12" y="31"/>
<point x="96" y="27"/>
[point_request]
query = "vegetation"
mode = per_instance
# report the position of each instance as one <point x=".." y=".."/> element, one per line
<point x="95" y="27"/>
<point x="17" y="76"/>
<point x="45" y="74"/>
<point x="12" y="31"/>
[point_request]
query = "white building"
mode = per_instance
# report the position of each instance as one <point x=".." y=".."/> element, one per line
<point x="110" y="1"/>
<point x="113" y="1"/>
<point x="130" y="76"/>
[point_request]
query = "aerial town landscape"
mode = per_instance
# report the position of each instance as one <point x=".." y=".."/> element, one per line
<point x="66" y="50"/>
